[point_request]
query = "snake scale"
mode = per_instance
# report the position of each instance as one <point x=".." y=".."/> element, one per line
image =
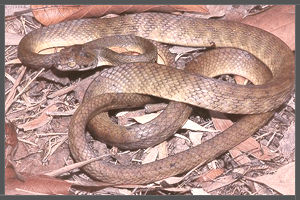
<point x="161" y="81"/>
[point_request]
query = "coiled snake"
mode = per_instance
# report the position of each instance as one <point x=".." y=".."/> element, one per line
<point x="170" y="83"/>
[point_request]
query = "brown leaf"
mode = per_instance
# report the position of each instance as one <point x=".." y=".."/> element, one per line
<point x="220" y="182"/>
<point x="151" y="156"/>
<point x="282" y="181"/>
<point x="11" y="145"/>
<point x="239" y="157"/>
<point x="259" y="151"/>
<point x="10" y="171"/>
<point x="162" y="150"/>
<point x="125" y="118"/>
<point x="240" y="80"/>
<point x="36" y="184"/>
<point x="279" y="20"/>
<point x="220" y="121"/>
<point x="11" y="140"/>
<point x="52" y="14"/>
<point x="40" y="121"/>
<point x="210" y="175"/>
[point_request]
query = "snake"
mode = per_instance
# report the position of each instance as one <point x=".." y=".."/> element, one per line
<point x="258" y="102"/>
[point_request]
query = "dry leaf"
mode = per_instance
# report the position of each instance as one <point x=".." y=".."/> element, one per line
<point x="125" y="192"/>
<point x="10" y="171"/>
<point x="190" y="125"/>
<point x="12" y="39"/>
<point x="287" y="143"/>
<point x="195" y="137"/>
<point x="52" y="14"/>
<point x="176" y="189"/>
<point x="220" y="121"/>
<point x="40" y="121"/>
<point x="279" y="20"/>
<point x="151" y="156"/>
<point x="36" y="184"/>
<point x="239" y="157"/>
<point x="259" y="151"/>
<point x="145" y="118"/>
<point x="159" y="150"/>
<point x="125" y="117"/>
<point x="220" y="182"/>
<point x="171" y="180"/>
<point x="11" y="140"/>
<point x="227" y="12"/>
<point x="210" y="175"/>
<point x="199" y="191"/>
<point x="162" y="150"/>
<point x="282" y="181"/>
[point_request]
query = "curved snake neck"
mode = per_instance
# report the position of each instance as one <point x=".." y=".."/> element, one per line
<point x="172" y="84"/>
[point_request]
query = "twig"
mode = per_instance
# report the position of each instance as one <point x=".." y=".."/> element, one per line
<point x="73" y="166"/>
<point x="10" y="99"/>
<point x="29" y="83"/>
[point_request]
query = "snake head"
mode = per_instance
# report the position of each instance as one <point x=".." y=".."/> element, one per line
<point x="76" y="58"/>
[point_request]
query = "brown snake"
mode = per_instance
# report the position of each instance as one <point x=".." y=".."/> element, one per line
<point x="169" y="83"/>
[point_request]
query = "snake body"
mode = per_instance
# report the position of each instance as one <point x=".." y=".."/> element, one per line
<point x="169" y="83"/>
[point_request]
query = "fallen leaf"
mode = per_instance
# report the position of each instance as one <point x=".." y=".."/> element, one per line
<point x="287" y="143"/>
<point x="282" y="181"/>
<point x="12" y="39"/>
<point x="125" y="117"/>
<point x="176" y="189"/>
<point x="52" y="14"/>
<point x="195" y="137"/>
<point x="254" y="148"/>
<point x="279" y="20"/>
<point x="190" y="125"/>
<point x="151" y="156"/>
<point x="220" y="121"/>
<point x="210" y="175"/>
<point x="198" y="191"/>
<point x="217" y="10"/>
<point x="40" y="121"/>
<point x="145" y="118"/>
<point x="220" y="182"/>
<point x="36" y="184"/>
<point x="10" y="170"/>
<point x="125" y="192"/>
<point x="11" y="140"/>
<point x="11" y="145"/>
<point x="162" y="150"/>
<point x="171" y="180"/>
<point x="239" y="157"/>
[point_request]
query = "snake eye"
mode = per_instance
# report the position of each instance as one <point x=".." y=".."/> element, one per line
<point x="72" y="64"/>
